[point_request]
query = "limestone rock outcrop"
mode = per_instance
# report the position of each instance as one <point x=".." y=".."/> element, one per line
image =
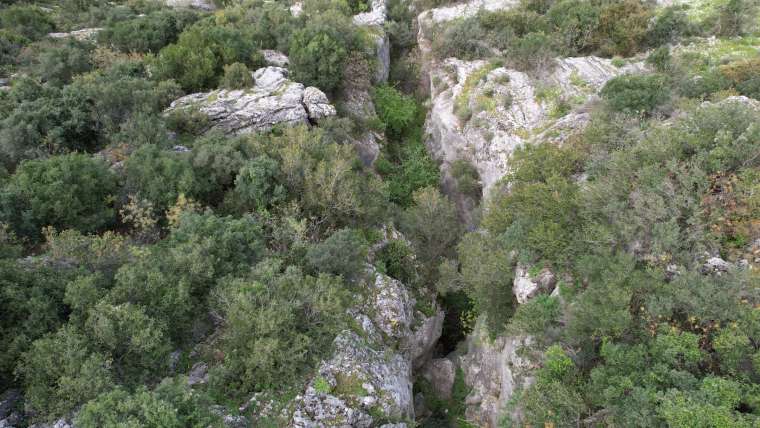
<point x="85" y="34"/>
<point x="273" y="100"/>
<point x="495" y="371"/>
<point x="527" y="286"/>
<point x="369" y="375"/>
<point x="207" y="5"/>
<point x="483" y="113"/>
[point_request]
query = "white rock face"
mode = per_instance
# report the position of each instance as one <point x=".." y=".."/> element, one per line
<point x="370" y="373"/>
<point x="275" y="58"/>
<point x="375" y="20"/>
<point x="525" y="286"/>
<point x="207" y="5"/>
<point x="271" y="101"/>
<point x="85" y="34"/>
<point x="507" y="108"/>
<point x="494" y="371"/>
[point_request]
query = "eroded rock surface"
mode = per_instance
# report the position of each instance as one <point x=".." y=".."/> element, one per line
<point x="207" y="5"/>
<point x="483" y="113"/>
<point x="273" y="100"/>
<point x="370" y="373"/>
<point x="494" y="370"/>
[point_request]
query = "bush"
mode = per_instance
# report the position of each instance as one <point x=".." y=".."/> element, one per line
<point x="623" y="27"/>
<point x="467" y="178"/>
<point x="398" y="261"/>
<point x="28" y="21"/>
<point x="173" y="404"/>
<point x="744" y="76"/>
<point x="198" y="58"/>
<point x="236" y="76"/>
<point x="31" y="301"/>
<point x="67" y="192"/>
<point x="60" y="372"/>
<point x="149" y="33"/>
<point x="320" y="50"/>
<point x="638" y="94"/>
<point x="60" y="62"/>
<point x="271" y="314"/>
<point x="161" y="176"/>
<point x="46" y="120"/>
<point x="575" y="21"/>
<point x="396" y="110"/>
<point x="10" y="46"/>
<point x="432" y="225"/>
<point x="343" y="253"/>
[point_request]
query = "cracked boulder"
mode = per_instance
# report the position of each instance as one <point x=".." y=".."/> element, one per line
<point x="273" y="100"/>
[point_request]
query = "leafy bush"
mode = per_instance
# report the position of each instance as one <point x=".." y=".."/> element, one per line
<point x="67" y="191"/>
<point x="60" y="372"/>
<point x="148" y="33"/>
<point x="396" y="110"/>
<point x="60" y="62"/>
<point x="343" y="253"/>
<point x="272" y="313"/>
<point x="319" y="51"/>
<point x="398" y="261"/>
<point x="28" y="21"/>
<point x="467" y="178"/>
<point x="636" y="93"/>
<point x="198" y="58"/>
<point x="172" y="404"/>
<point x="236" y="76"/>
<point x="10" y="46"/>
<point x="32" y="304"/>
<point x="161" y="176"/>
<point x="432" y="225"/>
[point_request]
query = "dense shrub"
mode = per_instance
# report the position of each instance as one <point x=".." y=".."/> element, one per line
<point x="172" y="404"/>
<point x="396" y="110"/>
<point x="46" y="120"/>
<point x="236" y="76"/>
<point x="161" y="176"/>
<point x="28" y="21"/>
<point x="149" y="33"/>
<point x="319" y="51"/>
<point x="67" y="191"/>
<point x="636" y="93"/>
<point x="58" y="63"/>
<point x="198" y="58"/>
<point x="342" y="253"/>
<point x="10" y="46"/>
<point x="272" y="313"/>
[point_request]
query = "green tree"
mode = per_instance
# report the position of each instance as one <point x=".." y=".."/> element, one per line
<point x="236" y="76"/>
<point x="433" y="227"/>
<point x="343" y="253"/>
<point x="68" y="191"/>
<point x="60" y="372"/>
<point x="319" y="50"/>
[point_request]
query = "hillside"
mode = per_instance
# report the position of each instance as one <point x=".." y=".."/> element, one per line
<point x="386" y="213"/>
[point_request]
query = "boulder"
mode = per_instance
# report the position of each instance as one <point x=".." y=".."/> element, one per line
<point x="198" y="374"/>
<point x="525" y="286"/>
<point x="715" y="265"/>
<point x="273" y="100"/>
